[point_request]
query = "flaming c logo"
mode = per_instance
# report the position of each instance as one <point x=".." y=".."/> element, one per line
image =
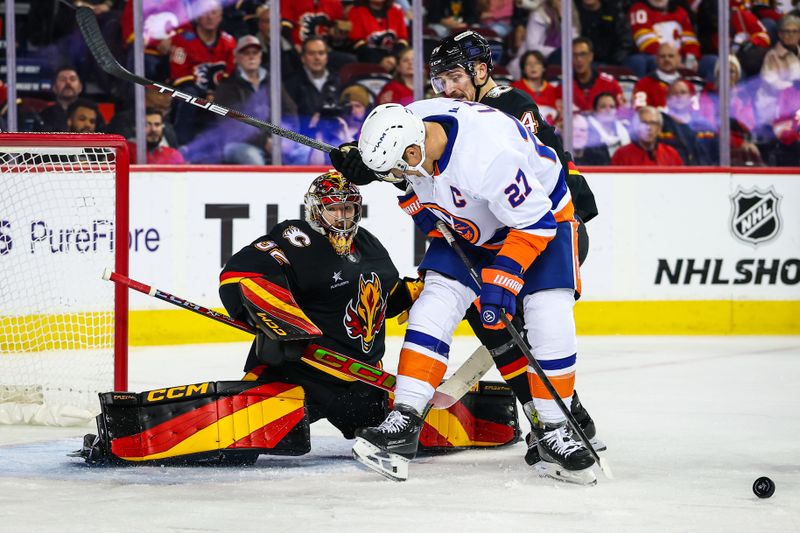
<point x="364" y="315"/>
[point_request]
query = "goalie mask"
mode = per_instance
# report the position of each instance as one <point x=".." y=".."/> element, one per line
<point x="333" y="208"/>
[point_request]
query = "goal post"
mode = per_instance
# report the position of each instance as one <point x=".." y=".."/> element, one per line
<point x="63" y="220"/>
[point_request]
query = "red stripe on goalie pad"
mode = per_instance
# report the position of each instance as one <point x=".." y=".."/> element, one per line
<point x="271" y="434"/>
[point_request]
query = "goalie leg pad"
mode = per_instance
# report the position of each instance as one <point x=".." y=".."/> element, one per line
<point x="225" y="422"/>
<point x="485" y="417"/>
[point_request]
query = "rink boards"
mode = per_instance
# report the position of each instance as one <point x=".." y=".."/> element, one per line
<point x="701" y="252"/>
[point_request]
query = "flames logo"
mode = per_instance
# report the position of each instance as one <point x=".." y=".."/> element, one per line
<point x="364" y="315"/>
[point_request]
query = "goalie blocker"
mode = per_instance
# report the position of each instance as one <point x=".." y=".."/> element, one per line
<point x="233" y="422"/>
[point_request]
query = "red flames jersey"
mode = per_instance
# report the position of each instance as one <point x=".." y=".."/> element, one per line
<point x="652" y="27"/>
<point x="650" y="90"/>
<point x="310" y="17"/>
<point x="345" y="297"/>
<point x="634" y="155"/>
<point x="162" y="19"/>
<point x="378" y="33"/>
<point x="192" y="61"/>
<point x="583" y="97"/>
<point x="548" y="99"/>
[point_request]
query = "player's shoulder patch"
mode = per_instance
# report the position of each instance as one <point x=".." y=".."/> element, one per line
<point x="296" y="236"/>
<point x="498" y="91"/>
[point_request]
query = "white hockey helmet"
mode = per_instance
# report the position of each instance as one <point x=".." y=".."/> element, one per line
<point x="387" y="131"/>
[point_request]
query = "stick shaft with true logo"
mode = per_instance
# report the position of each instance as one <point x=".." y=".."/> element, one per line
<point x="522" y="345"/>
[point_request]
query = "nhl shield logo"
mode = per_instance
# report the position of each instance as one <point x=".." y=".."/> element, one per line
<point x="755" y="218"/>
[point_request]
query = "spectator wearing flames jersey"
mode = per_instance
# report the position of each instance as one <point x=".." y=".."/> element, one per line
<point x="646" y="150"/>
<point x="655" y="22"/>
<point x="305" y="18"/>
<point x="588" y="82"/>
<point x="401" y="89"/>
<point x="199" y="58"/>
<point x="546" y="96"/>
<point x="378" y="29"/>
<point x="653" y="88"/>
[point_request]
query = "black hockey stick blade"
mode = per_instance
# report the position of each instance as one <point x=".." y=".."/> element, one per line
<point x="90" y="29"/>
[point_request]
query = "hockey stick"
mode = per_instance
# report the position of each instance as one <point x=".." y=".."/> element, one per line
<point x="442" y="227"/>
<point x="87" y="22"/>
<point x="329" y="361"/>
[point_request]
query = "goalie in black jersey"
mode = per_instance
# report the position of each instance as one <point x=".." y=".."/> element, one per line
<point x="341" y="281"/>
<point x="319" y="287"/>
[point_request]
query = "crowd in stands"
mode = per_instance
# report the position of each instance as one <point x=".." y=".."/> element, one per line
<point x="645" y="73"/>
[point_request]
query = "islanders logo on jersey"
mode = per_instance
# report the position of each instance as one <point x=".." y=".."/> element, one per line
<point x="365" y="314"/>
<point x="463" y="226"/>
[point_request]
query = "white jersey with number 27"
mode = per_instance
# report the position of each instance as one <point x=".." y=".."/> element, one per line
<point x="494" y="174"/>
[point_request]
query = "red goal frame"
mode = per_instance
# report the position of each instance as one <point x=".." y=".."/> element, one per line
<point x="121" y="223"/>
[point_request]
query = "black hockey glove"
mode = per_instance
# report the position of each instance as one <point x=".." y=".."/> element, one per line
<point x="347" y="160"/>
<point x="276" y="353"/>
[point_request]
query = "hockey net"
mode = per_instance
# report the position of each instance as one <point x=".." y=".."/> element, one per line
<point x="63" y="330"/>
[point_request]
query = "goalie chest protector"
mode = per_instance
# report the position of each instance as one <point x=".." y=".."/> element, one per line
<point x="345" y="296"/>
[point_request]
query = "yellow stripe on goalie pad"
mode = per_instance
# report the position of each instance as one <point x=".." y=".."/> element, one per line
<point x="234" y="427"/>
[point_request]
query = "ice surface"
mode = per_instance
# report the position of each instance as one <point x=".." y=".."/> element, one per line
<point x="690" y="423"/>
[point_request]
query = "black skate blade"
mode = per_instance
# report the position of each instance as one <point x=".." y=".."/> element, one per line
<point x="389" y="465"/>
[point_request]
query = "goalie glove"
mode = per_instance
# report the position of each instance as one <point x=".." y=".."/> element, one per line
<point x="276" y="353"/>
<point x="502" y="282"/>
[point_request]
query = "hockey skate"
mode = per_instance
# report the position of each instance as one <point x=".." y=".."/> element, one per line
<point x="388" y="448"/>
<point x="559" y="455"/>
<point x="584" y="420"/>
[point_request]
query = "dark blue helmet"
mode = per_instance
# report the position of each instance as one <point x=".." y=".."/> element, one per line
<point x="462" y="50"/>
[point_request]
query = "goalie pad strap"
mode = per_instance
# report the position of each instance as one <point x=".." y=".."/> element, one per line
<point x="275" y="312"/>
<point x="204" y="421"/>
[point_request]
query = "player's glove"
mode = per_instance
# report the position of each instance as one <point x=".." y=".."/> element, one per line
<point x="502" y="282"/>
<point x="276" y="353"/>
<point x="347" y="160"/>
<point x="423" y="218"/>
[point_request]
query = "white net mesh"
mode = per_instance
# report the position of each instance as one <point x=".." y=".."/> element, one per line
<point x="57" y="213"/>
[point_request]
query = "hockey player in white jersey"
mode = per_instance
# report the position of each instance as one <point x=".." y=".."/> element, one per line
<point x="504" y="195"/>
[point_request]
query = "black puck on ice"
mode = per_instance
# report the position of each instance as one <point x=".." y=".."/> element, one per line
<point x="764" y="487"/>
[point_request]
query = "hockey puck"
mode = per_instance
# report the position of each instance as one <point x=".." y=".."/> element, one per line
<point x="764" y="487"/>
